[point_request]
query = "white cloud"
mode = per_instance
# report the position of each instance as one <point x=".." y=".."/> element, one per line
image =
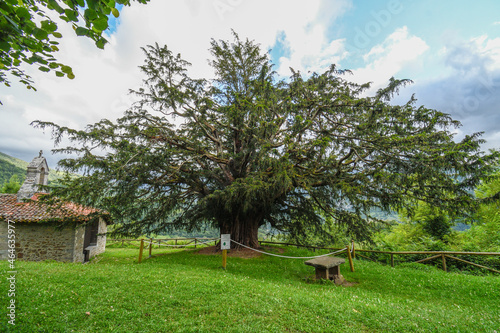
<point x="491" y="49"/>
<point x="469" y="90"/>
<point x="306" y="36"/>
<point x="398" y="51"/>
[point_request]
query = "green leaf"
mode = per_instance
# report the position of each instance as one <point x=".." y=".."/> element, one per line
<point x="66" y="69"/>
<point x="81" y="31"/>
<point x="59" y="74"/>
<point x="64" y="18"/>
<point x="101" y="42"/>
<point x="49" y="26"/>
<point x="39" y="34"/>
<point x="93" y="4"/>
<point x="71" y="76"/>
<point x="44" y="69"/>
<point x="4" y="46"/>
<point x="69" y="3"/>
<point x="71" y="14"/>
<point x="52" y="4"/>
<point x="56" y="34"/>
<point x="115" y="12"/>
<point x="90" y="14"/>
<point x="80" y="3"/>
<point x="101" y="24"/>
<point x="6" y="7"/>
<point x="23" y="13"/>
<point x="53" y="65"/>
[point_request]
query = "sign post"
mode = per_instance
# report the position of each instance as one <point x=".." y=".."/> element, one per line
<point x="225" y="244"/>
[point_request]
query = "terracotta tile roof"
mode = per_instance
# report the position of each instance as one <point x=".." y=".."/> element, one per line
<point x="37" y="212"/>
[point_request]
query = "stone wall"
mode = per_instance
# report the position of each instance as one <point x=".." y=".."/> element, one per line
<point x="38" y="241"/>
<point x="3" y="240"/>
<point x="78" y="245"/>
<point x="101" y="238"/>
<point x="41" y="241"/>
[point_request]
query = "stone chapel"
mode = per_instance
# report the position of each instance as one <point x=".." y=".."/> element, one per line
<point x="68" y="232"/>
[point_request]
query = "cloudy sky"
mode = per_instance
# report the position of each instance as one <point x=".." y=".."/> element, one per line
<point x="449" y="48"/>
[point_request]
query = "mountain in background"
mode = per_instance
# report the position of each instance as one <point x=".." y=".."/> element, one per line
<point x="14" y="166"/>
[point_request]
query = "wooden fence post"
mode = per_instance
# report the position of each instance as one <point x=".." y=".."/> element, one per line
<point x="392" y="259"/>
<point x="443" y="258"/>
<point x="350" y="258"/>
<point x="353" y="250"/>
<point x="141" y="249"/>
<point x="224" y="258"/>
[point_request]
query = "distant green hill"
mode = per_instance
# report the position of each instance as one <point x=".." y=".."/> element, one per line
<point x="10" y="165"/>
<point x="7" y="170"/>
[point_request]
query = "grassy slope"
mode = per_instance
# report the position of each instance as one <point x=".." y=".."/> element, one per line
<point x="15" y="161"/>
<point x="9" y="166"/>
<point x="185" y="292"/>
<point x="7" y="170"/>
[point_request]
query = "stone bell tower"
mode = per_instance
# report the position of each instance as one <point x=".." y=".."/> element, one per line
<point x="37" y="175"/>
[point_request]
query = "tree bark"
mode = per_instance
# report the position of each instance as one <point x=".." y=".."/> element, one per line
<point x="243" y="230"/>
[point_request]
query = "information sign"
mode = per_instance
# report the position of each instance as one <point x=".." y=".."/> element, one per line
<point x="225" y="241"/>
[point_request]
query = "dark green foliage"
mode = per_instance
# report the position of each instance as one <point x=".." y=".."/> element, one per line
<point x="437" y="226"/>
<point x="29" y="35"/>
<point x="308" y="156"/>
<point x="7" y="170"/>
<point x="484" y="233"/>
<point x="12" y="186"/>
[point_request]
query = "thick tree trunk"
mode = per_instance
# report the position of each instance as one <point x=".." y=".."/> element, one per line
<point x="243" y="230"/>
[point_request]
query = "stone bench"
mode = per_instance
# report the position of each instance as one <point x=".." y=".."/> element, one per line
<point x="327" y="268"/>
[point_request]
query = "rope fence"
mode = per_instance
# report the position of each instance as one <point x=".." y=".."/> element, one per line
<point x="287" y="257"/>
<point x="442" y="255"/>
<point x="349" y="250"/>
<point x="189" y="244"/>
<point x="148" y="243"/>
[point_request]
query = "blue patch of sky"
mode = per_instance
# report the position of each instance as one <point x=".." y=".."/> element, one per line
<point x="365" y="25"/>
<point x="279" y="49"/>
<point x="368" y="23"/>
<point x="113" y="22"/>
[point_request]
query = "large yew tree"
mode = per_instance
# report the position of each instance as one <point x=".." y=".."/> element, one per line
<point x="307" y="155"/>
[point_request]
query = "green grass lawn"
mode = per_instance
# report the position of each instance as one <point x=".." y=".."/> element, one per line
<point x="181" y="291"/>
